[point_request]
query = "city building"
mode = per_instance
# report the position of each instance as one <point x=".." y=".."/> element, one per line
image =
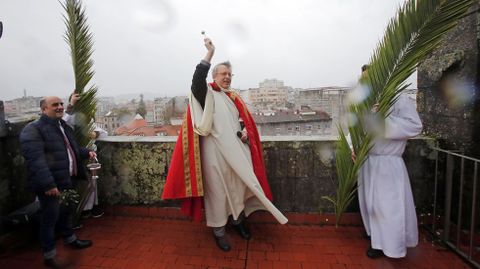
<point x="180" y="104"/>
<point x="163" y="110"/>
<point x="104" y="105"/>
<point x="294" y="123"/>
<point x="109" y="122"/>
<point x="271" y="93"/>
<point x="328" y="99"/>
<point x="26" y="106"/>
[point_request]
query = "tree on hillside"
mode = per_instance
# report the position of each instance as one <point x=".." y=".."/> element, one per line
<point x="141" y="109"/>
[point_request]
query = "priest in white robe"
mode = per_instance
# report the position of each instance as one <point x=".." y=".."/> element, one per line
<point x="384" y="192"/>
<point x="219" y="163"/>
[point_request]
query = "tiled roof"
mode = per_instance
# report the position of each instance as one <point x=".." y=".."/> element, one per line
<point x="139" y="127"/>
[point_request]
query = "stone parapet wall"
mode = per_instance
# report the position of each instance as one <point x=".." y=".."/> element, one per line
<point x="13" y="192"/>
<point x="300" y="170"/>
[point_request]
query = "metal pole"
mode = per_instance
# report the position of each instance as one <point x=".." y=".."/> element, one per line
<point x="460" y="200"/>
<point x="474" y="209"/>
<point x="434" y="216"/>
<point x="448" y="197"/>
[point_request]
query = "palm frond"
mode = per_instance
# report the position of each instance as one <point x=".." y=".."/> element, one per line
<point x="80" y="41"/>
<point x="416" y="30"/>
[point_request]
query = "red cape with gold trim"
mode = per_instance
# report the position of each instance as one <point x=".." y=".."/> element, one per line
<point x="184" y="179"/>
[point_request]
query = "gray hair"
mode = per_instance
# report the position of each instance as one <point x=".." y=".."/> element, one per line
<point x="215" y="68"/>
<point x="43" y="102"/>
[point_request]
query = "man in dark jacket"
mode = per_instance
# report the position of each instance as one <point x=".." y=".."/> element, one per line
<point x="53" y="158"/>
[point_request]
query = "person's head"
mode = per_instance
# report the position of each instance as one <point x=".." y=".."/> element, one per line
<point x="222" y="74"/>
<point x="52" y="107"/>
<point x="365" y="67"/>
<point x="364" y="71"/>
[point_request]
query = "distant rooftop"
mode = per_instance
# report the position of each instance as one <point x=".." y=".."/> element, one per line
<point x="291" y="116"/>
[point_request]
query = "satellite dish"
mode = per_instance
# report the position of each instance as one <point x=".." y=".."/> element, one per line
<point x="1" y="29"/>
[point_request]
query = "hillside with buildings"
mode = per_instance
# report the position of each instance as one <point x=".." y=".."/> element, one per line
<point x="278" y="109"/>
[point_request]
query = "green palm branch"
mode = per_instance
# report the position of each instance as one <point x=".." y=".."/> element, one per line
<point x="80" y="41"/>
<point x="415" y="31"/>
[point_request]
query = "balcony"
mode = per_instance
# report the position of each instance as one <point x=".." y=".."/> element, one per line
<point x="142" y="231"/>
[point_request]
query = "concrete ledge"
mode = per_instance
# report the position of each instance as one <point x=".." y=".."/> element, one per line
<point x="123" y="139"/>
<point x="157" y="139"/>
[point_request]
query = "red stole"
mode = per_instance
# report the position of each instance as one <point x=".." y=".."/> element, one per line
<point x="184" y="179"/>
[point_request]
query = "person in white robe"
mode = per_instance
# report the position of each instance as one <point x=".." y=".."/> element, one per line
<point x="91" y="207"/>
<point x="384" y="191"/>
<point x="230" y="184"/>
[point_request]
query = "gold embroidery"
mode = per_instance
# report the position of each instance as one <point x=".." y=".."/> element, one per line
<point x="198" y="164"/>
<point x="186" y="160"/>
<point x="233" y="96"/>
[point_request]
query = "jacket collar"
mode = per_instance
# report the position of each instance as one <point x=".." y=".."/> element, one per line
<point x="49" y="120"/>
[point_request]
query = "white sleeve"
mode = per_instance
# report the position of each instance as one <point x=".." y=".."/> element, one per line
<point x="202" y="118"/>
<point x="101" y="132"/>
<point x="69" y="119"/>
<point x="348" y="137"/>
<point x="403" y="122"/>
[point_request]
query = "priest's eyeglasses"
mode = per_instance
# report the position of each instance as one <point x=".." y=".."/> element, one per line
<point x="224" y="74"/>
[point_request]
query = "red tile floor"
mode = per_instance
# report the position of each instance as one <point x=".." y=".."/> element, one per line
<point x="136" y="242"/>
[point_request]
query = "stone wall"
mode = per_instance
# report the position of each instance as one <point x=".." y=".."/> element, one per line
<point x="452" y="112"/>
<point x="13" y="193"/>
<point x="300" y="171"/>
<point x="133" y="172"/>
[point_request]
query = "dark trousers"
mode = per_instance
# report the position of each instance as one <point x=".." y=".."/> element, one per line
<point x="53" y="214"/>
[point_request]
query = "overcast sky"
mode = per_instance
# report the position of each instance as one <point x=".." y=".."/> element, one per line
<point x="153" y="45"/>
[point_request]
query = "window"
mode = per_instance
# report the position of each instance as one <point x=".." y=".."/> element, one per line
<point x="297" y="128"/>
<point x="308" y="127"/>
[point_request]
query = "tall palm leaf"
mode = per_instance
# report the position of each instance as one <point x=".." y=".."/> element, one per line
<point x="412" y="34"/>
<point x="80" y="41"/>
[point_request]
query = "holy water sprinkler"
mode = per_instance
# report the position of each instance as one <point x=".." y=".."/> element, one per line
<point x="205" y="36"/>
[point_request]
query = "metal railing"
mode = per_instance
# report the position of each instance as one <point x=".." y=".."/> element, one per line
<point x="457" y="171"/>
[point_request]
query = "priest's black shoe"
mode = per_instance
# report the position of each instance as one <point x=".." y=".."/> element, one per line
<point x="242" y="231"/>
<point x="53" y="263"/>
<point x="373" y="253"/>
<point x="222" y="242"/>
<point x="79" y="244"/>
